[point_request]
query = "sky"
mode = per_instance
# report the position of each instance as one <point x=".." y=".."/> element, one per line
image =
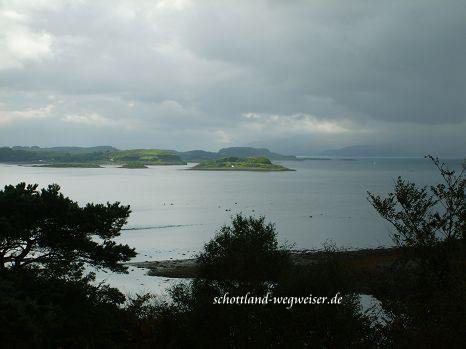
<point x="295" y="76"/>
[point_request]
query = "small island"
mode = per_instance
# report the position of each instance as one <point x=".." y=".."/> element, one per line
<point x="134" y="165"/>
<point x="239" y="164"/>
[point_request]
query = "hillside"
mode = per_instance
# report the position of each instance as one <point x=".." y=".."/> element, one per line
<point x="146" y="157"/>
<point x="50" y="155"/>
<point x="245" y="152"/>
<point x="197" y="155"/>
<point x="239" y="152"/>
<point x="93" y="155"/>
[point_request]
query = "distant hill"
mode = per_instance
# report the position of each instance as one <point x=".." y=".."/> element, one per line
<point x="366" y="150"/>
<point x="91" y="155"/>
<point x="55" y="155"/>
<point x="146" y="157"/>
<point x="71" y="150"/>
<point x="239" y="152"/>
<point x="244" y="152"/>
<point x="197" y="155"/>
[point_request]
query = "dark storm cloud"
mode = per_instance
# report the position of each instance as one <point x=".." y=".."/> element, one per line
<point x="392" y="60"/>
<point x="184" y="74"/>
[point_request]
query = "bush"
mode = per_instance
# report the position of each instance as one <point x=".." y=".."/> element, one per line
<point x="246" y="250"/>
<point x="46" y="312"/>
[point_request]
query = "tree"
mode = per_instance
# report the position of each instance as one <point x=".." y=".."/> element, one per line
<point x="246" y="250"/>
<point x="424" y="293"/>
<point x="46" y="230"/>
<point x="245" y="259"/>
<point x="37" y="311"/>
<point x="426" y="218"/>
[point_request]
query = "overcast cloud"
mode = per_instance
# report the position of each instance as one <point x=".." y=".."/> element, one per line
<point x="296" y="76"/>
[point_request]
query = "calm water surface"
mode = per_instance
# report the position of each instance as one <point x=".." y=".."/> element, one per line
<point x="174" y="211"/>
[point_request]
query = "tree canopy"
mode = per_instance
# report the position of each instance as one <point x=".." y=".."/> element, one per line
<point x="424" y="216"/>
<point x="248" y="249"/>
<point x="424" y="293"/>
<point x="44" y="229"/>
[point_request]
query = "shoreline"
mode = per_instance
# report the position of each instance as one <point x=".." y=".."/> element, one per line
<point x="365" y="264"/>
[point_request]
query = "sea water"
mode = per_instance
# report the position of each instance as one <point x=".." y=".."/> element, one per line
<point x="175" y="211"/>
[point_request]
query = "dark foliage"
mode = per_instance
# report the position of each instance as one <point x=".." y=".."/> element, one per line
<point x="425" y="216"/>
<point x="424" y="294"/>
<point x="37" y="311"/>
<point x="248" y="254"/>
<point x="46" y="239"/>
<point x="246" y="250"/>
<point x="46" y="230"/>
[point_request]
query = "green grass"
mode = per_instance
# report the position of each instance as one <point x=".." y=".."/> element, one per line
<point x="146" y="156"/>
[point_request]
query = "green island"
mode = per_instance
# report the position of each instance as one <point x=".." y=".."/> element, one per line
<point x="240" y="164"/>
